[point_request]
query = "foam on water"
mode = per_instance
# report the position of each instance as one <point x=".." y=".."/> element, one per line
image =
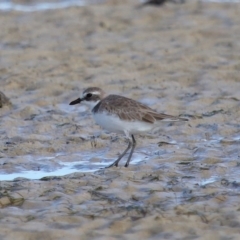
<point x="67" y="169"/>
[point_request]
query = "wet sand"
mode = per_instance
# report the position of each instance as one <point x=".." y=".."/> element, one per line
<point x="184" y="181"/>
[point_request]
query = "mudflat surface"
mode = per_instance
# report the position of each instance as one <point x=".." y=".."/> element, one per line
<point x="184" y="180"/>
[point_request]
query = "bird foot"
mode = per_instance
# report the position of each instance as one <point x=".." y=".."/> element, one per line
<point x="112" y="165"/>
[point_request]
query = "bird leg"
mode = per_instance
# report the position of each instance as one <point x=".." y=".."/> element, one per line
<point x="133" y="147"/>
<point x="120" y="157"/>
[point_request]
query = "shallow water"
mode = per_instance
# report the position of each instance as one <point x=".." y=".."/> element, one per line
<point x="35" y="167"/>
<point x="32" y="6"/>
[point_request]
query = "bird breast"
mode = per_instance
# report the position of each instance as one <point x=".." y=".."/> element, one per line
<point x="113" y="123"/>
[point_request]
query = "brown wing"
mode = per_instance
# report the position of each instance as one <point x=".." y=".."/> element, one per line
<point x="130" y="110"/>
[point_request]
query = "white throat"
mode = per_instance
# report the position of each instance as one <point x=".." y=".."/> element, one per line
<point x="91" y="104"/>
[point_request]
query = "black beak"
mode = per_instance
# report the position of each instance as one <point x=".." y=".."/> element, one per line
<point x="75" y="101"/>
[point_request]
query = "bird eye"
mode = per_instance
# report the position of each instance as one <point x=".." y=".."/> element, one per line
<point x="89" y="95"/>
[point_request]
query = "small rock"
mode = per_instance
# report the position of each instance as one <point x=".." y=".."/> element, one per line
<point x="161" y="2"/>
<point x="4" y="201"/>
<point x="4" y="100"/>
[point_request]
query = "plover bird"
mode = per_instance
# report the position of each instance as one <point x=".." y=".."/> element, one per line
<point x="122" y="115"/>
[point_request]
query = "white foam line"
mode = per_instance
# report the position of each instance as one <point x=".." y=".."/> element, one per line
<point x="9" y="6"/>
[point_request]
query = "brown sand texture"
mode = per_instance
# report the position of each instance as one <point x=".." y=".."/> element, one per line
<point x="184" y="179"/>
